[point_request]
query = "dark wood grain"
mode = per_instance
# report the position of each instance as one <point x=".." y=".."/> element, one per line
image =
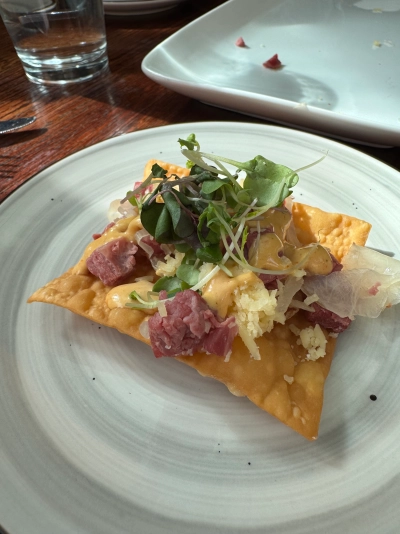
<point x="124" y="100"/>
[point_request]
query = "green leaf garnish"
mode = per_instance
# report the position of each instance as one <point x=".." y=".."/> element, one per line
<point x="182" y="247"/>
<point x="190" y="142"/>
<point x="140" y="303"/>
<point x="132" y="199"/>
<point x="170" y="284"/>
<point x="181" y="220"/>
<point x="210" y="254"/>
<point x="188" y="273"/>
<point x="164" y="229"/>
<point x="210" y="186"/>
<point x="149" y="216"/>
<point x="158" y="171"/>
<point x="167" y="283"/>
<point x="268" y="182"/>
<point x="209" y="209"/>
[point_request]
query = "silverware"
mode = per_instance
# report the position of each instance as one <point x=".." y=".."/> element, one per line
<point x="14" y="124"/>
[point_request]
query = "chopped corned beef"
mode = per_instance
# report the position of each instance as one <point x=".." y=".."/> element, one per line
<point x="270" y="281"/>
<point x="374" y="289"/>
<point x="273" y="62"/>
<point x="240" y="42"/>
<point x="337" y="266"/>
<point x="151" y="247"/>
<point x="113" y="262"/>
<point x="220" y="338"/>
<point x="144" y="191"/>
<point x="190" y="326"/>
<point x="327" y="319"/>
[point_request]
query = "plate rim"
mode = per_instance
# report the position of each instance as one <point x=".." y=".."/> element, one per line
<point x="240" y="124"/>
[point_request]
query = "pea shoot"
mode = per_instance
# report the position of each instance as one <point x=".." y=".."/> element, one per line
<point x="204" y="215"/>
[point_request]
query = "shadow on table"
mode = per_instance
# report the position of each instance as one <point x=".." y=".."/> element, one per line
<point x="14" y="138"/>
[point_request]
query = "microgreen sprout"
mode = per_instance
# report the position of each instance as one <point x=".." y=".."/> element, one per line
<point x="139" y="302"/>
<point x="205" y="215"/>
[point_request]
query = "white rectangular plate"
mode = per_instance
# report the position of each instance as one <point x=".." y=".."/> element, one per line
<point x="138" y="7"/>
<point x="340" y="75"/>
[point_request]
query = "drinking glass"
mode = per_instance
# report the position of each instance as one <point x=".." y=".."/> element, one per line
<point x="57" y="41"/>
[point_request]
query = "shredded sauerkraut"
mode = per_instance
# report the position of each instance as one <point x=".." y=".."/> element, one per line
<point x="368" y="283"/>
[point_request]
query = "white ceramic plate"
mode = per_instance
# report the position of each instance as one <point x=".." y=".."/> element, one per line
<point x="98" y="436"/>
<point x="138" y="7"/>
<point x="335" y="80"/>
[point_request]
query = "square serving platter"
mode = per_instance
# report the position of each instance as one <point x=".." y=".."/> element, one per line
<point x="340" y="74"/>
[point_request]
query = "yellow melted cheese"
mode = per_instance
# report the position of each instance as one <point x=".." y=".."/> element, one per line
<point x="317" y="258"/>
<point x="266" y="254"/>
<point x="277" y="219"/>
<point x="219" y="291"/>
<point x="118" y="296"/>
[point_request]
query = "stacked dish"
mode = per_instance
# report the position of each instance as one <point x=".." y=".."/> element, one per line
<point x="138" y="7"/>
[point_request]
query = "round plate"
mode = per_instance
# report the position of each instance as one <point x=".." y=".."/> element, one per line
<point x="98" y="436"/>
<point x="139" y="7"/>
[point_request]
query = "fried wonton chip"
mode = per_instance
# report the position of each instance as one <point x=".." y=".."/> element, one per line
<point x="332" y="230"/>
<point x="284" y="382"/>
<point x="169" y="167"/>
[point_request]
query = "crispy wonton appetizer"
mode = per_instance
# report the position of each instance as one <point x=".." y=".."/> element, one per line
<point x="217" y="284"/>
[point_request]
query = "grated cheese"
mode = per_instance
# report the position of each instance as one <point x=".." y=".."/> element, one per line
<point x="312" y="298"/>
<point x="144" y="328"/>
<point x="255" y="312"/>
<point x="298" y="304"/>
<point x="314" y="340"/>
<point x="293" y="328"/>
<point x="162" y="309"/>
<point x="298" y="273"/>
<point x="296" y="412"/>
<point x="170" y="265"/>
<point x="147" y="278"/>
<point x="228" y="357"/>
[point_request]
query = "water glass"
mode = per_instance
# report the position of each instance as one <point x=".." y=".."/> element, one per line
<point x="58" y="41"/>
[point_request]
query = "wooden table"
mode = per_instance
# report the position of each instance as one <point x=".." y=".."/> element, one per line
<point x="125" y="100"/>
